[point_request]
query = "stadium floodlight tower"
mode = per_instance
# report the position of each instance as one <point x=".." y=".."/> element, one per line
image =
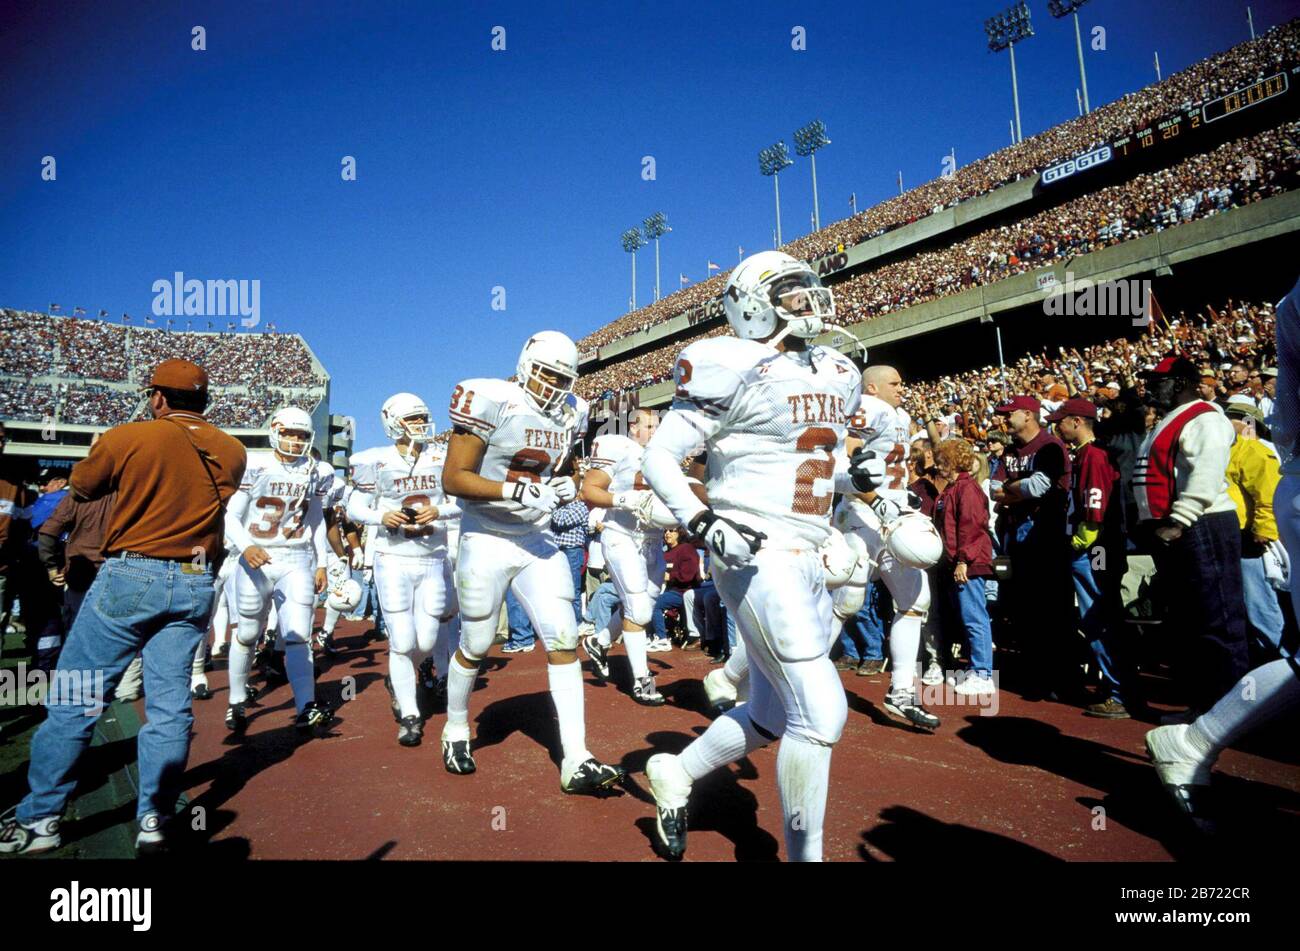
<point x="806" y="142"/>
<point x="1064" y="8"/>
<point x="655" y="227"/>
<point x="1004" y="31"/>
<point x="633" y="242"/>
<point x="771" y="161"/>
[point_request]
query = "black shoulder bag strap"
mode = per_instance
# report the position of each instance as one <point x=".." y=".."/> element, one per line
<point x="204" y="456"/>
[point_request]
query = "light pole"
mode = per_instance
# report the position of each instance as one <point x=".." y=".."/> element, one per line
<point x="1064" y="8"/>
<point x="1004" y="31"/>
<point x="770" y="162"/>
<point x="655" y="227"/>
<point x="633" y="242"/>
<point x="806" y="142"/>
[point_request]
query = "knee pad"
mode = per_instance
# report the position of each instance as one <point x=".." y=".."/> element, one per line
<point x="477" y="598"/>
<point x="436" y="599"/>
<point x="823" y="723"/>
<point x="639" y="608"/>
<point x="476" y="637"/>
<point x="848" y="600"/>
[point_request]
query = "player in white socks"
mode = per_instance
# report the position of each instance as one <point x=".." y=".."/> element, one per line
<point x="277" y="522"/>
<point x="882" y="429"/>
<point x="772" y="410"/>
<point x="509" y="444"/>
<point x="633" y="548"/>
<point x="398" y="491"/>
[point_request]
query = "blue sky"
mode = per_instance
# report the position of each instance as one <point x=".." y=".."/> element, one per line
<point x="478" y="169"/>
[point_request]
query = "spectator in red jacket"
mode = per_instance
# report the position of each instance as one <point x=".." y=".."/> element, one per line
<point x="683" y="564"/>
<point x="962" y="515"/>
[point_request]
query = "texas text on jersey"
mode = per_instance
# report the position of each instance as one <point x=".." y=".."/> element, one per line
<point x="281" y="496"/>
<point x="522" y="445"/>
<point x="390" y="482"/>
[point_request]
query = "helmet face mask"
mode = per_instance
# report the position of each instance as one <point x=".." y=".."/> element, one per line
<point x="548" y="369"/>
<point x="772" y="295"/>
<point x="292" y="434"/>
<point x="406" y="417"/>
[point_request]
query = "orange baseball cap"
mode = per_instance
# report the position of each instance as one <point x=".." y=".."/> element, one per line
<point x="180" y="375"/>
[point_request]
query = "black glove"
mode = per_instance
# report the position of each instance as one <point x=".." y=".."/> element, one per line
<point x="732" y="544"/>
<point x="866" y="471"/>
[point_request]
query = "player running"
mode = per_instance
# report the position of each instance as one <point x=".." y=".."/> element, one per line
<point x="510" y="443"/>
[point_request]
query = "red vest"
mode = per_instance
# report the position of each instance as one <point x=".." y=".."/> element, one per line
<point x="1154" y="485"/>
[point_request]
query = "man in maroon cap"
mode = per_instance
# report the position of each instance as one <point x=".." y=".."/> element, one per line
<point x="1098" y="552"/>
<point x="1190" y="521"/>
<point x="1032" y="505"/>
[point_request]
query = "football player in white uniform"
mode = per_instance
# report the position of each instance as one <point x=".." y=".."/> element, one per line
<point x="633" y="547"/>
<point x="433" y="672"/>
<point x="277" y="522"/>
<point x="399" y="491"/>
<point x="511" y="449"/>
<point x="772" y="410"/>
<point x="883" y="438"/>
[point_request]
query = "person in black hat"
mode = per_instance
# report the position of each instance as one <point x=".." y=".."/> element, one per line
<point x="1190" y="523"/>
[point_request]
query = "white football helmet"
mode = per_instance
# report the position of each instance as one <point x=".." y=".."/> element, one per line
<point x="773" y="293"/>
<point x="913" y="540"/>
<point x="548" y="350"/>
<point x="398" y="416"/>
<point x="344" y="597"/>
<point x="839" y="560"/>
<point x="294" y="419"/>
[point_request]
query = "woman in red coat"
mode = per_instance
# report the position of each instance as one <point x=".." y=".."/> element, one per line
<point x="962" y="517"/>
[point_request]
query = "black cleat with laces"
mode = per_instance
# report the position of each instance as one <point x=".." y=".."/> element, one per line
<point x="314" y="717"/>
<point x="592" y="777"/>
<point x="236" y="718"/>
<point x="411" y="731"/>
<point x="456" y="757"/>
<point x="599" y="655"/>
<point x="645" y="693"/>
<point x="904" y="707"/>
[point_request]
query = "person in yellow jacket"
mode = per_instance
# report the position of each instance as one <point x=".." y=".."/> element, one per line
<point x="1254" y="470"/>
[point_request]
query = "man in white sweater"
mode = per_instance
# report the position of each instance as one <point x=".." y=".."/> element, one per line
<point x="1185" y="511"/>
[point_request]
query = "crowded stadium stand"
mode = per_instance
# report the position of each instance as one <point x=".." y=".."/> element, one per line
<point x="1197" y="171"/>
<point x="62" y="379"/>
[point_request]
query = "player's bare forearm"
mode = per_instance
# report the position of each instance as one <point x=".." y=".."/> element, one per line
<point x="333" y="534"/>
<point x="595" y="490"/>
<point x="460" y="472"/>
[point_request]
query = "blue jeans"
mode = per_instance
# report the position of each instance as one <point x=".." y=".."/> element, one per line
<point x="1100" y="625"/>
<point x="712" y="634"/>
<point x="602" y="604"/>
<point x="1263" y="612"/>
<point x="521" y="629"/>
<point x="133" y="606"/>
<point x="575" y="556"/>
<point x="969" y="602"/>
<point x="863" y="637"/>
<point x="669" y="598"/>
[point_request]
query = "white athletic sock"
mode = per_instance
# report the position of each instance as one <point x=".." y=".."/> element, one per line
<point x="331" y="619"/>
<point x="737" y="666"/>
<point x="566" y="691"/>
<point x="197" y="664"/>
<point x="803" y="775"/>
<point x="401" y="673"/>
<point x="460" y="683"/>
<point x="904" y="642"/>
<point x="220" y="621"/>
<point x="727" y="739"/>
<point x="634" y="643"/>
<point x="1264" y="693"/>
<point x="302" y="676"/>
<point x="241" y="658"/>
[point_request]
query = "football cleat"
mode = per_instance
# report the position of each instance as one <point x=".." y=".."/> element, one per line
<point x="457" y="758"/>
<point x="200" y="691"/>
<point x="904" y="707"/>
<point x="644" y="692"/>
<point x="314" y="717"/>
<point x="1184" y="774"/>
<point x="19" y="838"/>
<point x="410" y="732"/>
<point x="671" y="788"/>
<point x="236" y="719"/>
<point x="591" y="777"/>
<point x="720" y="691"/>
<point x="392" y="699"/>
<point x="599" y="655"/>
<point x="325" y="644"/>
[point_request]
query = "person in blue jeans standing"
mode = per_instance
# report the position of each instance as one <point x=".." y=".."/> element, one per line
<point x="863" y="637"/>
<point x="173" y="476"/>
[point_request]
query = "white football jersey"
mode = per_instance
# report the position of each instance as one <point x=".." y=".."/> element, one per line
<point x="887" y="431"/>
<point x="285" y="499"/>
<point x="619" y="457"/>
<point x="773" y="425"/>
<point x="523" y="445"/>
<point x="389" y="481"/>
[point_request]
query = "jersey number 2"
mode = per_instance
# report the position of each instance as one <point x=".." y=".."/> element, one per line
<point x="822" y="441"/>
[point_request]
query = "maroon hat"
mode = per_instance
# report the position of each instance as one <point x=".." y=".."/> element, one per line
<point x="180" y="375"/>
<point x="1028" y="403"/>
<point x="1075" y="406"/>
<point x="1174" y="365"/>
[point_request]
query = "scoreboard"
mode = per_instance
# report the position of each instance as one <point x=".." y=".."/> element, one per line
<point x="1280" y="86"/>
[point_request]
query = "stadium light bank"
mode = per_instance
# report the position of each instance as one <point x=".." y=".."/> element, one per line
<point x="1005" y="30"/>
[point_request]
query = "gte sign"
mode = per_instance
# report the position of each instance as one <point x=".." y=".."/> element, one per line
<point x="1079" y="163"/>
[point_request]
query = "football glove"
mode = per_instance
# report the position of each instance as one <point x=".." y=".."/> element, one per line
<point x="565" y="489"/>
<point x="534" y="495"/>
<point x="866" y="471"/>
<point x="886" y="510"/>
<point x="732" y="544"/>
<point x="631" y="501"/>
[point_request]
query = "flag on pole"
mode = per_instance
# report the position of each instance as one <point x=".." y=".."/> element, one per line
<point x="78" y="312"/>
<point x="682" y="281"/>
<point x="150" y="321"/>
<point x="169" y="323"/>
<point x="103" y="313"/>
<point x="189" y="325"/>
<point x="1154" y="310"/>
<point x="126" y="318"/>
<point x="54" y="307"/>
<point x="230" y="325"/>
<point x="900" y="181"/>
<point x="270" y="326"/>
<point x="740" y="252"/>
<point x="209" y="325"/>
<point x="714" y="267"/>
